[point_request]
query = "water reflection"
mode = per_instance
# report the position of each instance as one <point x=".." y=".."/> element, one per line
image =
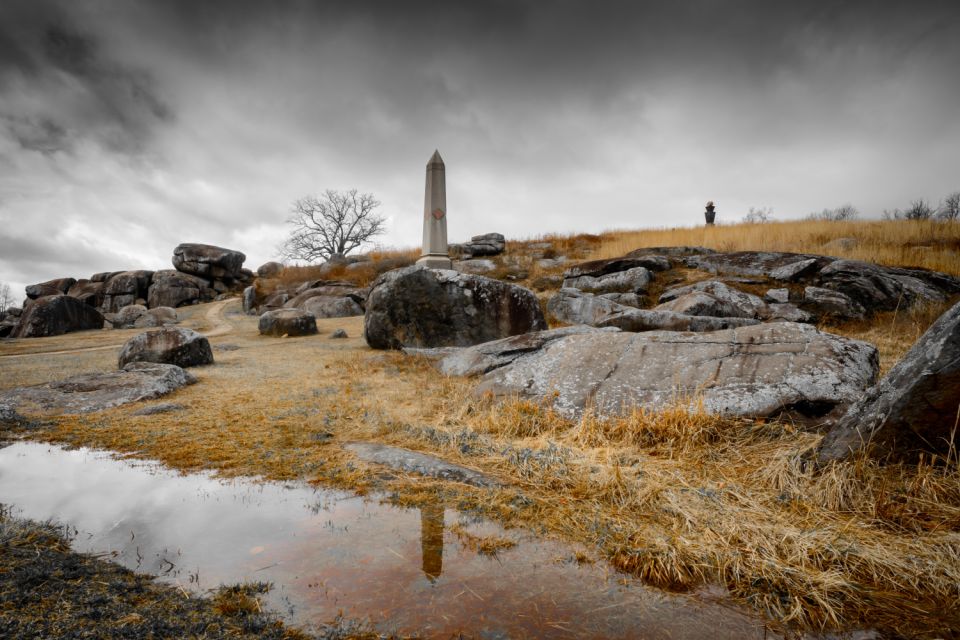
<point x="431" y="540"/>
<point x="328" y="552"/>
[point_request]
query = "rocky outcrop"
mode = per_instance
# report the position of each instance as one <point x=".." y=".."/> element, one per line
<point x="270" y="269"/>
<point x="635" y="280"/>
<point x="761" y="370"/>
<point x="636" y="320"/>
<point x="730" y="302"/>
<point x="287" y="322"/>
<point x="56" y="315"/>
<point x="485" y="357"/>
<point x="474" y="266"/>
<point x="598" y="268"/>
<point x="698" y="303"/>
<point x="572" y="306"/>
<point x="913" y="409"/>
<point x="755" y="263"/>
<point x="874" y="287"/>
<point x="124" y="289"/>
<point x="171" y="288"/>
<point x="49" y="288"/>
<point x="332" y="307"/>
<point x="829" y="303"/>
<point x="98" y="391"/>
<point x="182" y="347"/>
<point x="877" y="288"/>
<point x="88" y="292"/>
<point x="208" y="261"/>
<point x="420" y="307"/>
<point x="672" y="252"/>
<point x="487" y="244"/>
<point x="125" y="318"/>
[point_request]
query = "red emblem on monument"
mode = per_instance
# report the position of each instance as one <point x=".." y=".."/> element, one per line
<point x="438" y="213"/>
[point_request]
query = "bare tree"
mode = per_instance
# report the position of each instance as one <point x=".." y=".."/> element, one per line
<point x="763" y="214"/>
<point x="6" y="298"/>
<point x="950" y="209"/>
<point x="332" y="225"/>
<point x="843" y="212"/>
<point x="918" y="210"/>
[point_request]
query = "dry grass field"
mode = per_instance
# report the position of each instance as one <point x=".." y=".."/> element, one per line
<point x="680" y="498"/>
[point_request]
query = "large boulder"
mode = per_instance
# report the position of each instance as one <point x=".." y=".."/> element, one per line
<point x="156" y="317"/>
<point x="598" y="268"/>
<point x="55" y="315"/>
<point x="730" y="301"/>
<point x="125" y="318"/>
<point x="269" y="269"/>
<point x="487" y="244"/>
<point x="572" y="306"/>
<point x="97" y="391"/>
<point x="913" y="409"/>
<point x="208" y="261"/>
<point x="635" y="280"/>
<point x="757" y="371"/>
<point x="699" y="303"/>
<point x="174" y="289"/>
<point x="124" y="289"/>
<point x="49" y="288"/>
<point x="172" y="345"/>
<point x="421" y="307"/>
<point x="335" y="290"/>
<point x="332" y="307"/>
<point x="88" y="292"/>
<point x="287" y="322"/>
<point x="878" y="288"/>
<point x="827" y="302"/>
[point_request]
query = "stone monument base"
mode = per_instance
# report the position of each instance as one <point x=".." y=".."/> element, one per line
<point x="436" y="261"/>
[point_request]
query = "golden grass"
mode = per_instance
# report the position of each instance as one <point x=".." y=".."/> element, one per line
<point x="360" y="274"/>
<point x="929" y="244"/>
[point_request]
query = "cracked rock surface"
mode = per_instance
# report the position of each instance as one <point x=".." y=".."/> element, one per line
<point x="756" y="371"/>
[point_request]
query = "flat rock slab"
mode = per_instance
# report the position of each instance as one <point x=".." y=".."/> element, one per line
<point x="755" y="371"/>
<point x="421" y="463"/>
<point x="97" y="391"/>
<point x="488" y="356"/>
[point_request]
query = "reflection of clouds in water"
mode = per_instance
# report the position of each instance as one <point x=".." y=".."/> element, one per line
<point x="328" y="551"/>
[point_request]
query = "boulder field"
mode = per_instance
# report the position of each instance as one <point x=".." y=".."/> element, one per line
<point x="201" y="273"/>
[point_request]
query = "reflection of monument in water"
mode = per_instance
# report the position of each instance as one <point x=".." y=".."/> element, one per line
<point x="431" y="539"/>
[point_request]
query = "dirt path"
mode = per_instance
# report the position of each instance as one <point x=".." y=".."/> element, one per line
<point x="214" y="315"/>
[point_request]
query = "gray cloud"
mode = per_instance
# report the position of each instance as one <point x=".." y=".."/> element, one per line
<point x="145" y="124"/>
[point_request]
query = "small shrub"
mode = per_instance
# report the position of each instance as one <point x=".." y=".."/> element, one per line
<point x="763" y="214"/>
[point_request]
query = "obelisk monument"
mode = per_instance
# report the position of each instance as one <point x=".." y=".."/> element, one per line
<point x="435" y="253"/>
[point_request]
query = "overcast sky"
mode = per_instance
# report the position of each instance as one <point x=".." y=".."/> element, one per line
<point x="127" y="127"/>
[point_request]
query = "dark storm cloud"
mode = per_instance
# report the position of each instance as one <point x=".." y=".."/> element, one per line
<point x="68" y="87"/>
<point x="144" y="124"/>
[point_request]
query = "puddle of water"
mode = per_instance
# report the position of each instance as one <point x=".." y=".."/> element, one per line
<point x="328" y="552"/>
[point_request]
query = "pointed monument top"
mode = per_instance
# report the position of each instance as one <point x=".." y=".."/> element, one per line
<point x="435" y="158"/>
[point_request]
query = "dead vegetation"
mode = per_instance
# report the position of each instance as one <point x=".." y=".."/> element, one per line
<point x="48" y="591"/>
<point x="930" y="244"/>
<point x="680" y="498"/>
